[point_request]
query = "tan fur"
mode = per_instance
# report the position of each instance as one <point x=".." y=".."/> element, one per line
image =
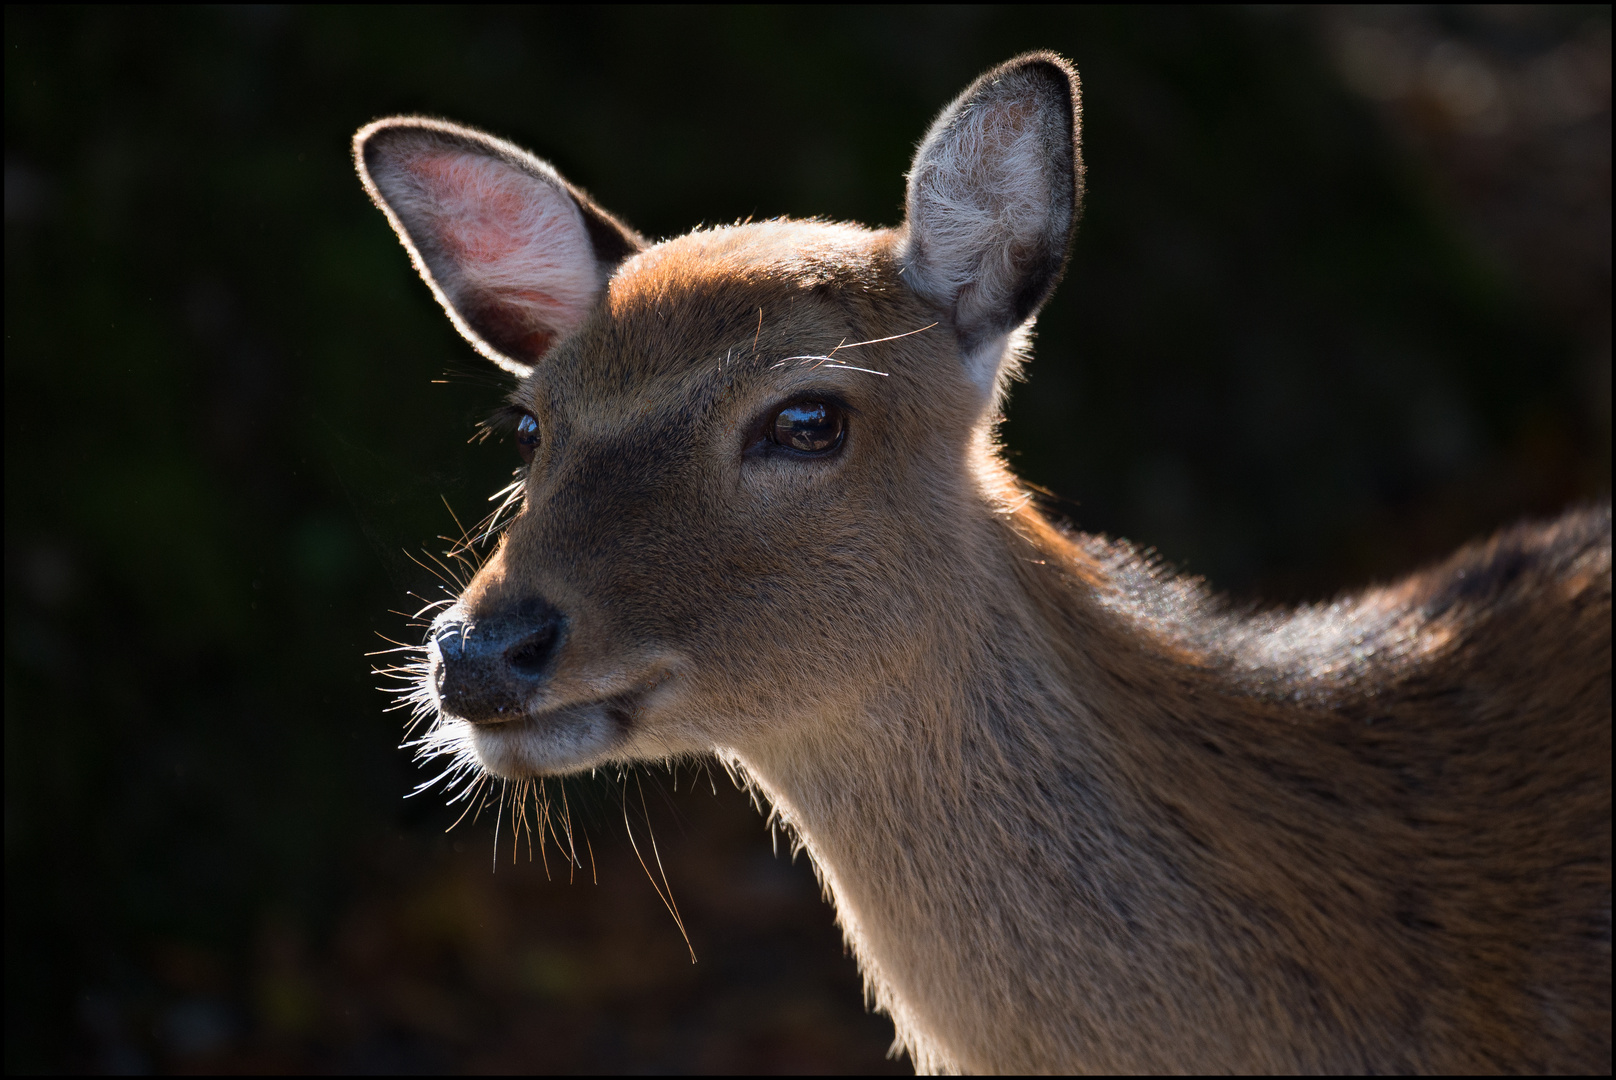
<point x="1073" y="815"/>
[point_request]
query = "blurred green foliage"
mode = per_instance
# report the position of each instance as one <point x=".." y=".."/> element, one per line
<point x="232" y="410"/>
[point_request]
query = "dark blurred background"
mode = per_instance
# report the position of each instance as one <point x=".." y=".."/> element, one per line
<point x="1340" y="301"/>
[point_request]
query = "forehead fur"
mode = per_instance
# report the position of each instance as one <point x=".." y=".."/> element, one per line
<point x="783" y="255"/>
<point x="743" y="291"/>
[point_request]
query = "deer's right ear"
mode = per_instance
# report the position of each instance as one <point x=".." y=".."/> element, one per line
<point x="993" y="197"/>
<point x="515" y="254"/>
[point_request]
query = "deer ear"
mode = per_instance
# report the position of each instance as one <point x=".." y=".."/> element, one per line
<point x="993" y="197"/>
<point x="515" y="254"/>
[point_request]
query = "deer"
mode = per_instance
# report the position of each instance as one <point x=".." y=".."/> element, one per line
<point x="1074" y="812"/>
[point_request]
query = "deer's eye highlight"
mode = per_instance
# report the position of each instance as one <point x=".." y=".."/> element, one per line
<point x="808" y="427"/>
<point x="527" y="437"/>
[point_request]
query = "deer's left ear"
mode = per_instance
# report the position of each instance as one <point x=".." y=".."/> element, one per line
<point x="515" y="254"/>
<point x="993" y="198"/>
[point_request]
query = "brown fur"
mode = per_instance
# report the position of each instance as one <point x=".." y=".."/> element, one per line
<point x="1073" y="815"/>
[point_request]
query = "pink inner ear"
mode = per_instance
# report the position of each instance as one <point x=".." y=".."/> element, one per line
<point x="483" y="217"/>
<point x="518" y="242"/>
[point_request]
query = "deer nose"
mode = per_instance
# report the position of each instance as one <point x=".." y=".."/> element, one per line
<point x="485" y="667"/>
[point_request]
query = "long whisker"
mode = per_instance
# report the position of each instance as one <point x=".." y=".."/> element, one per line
<point x="837" y="364"/>
<point x="665" y="897"/>
<point x="512" y="493"/>
<point x="449" y="580"/>
<point x="850" y="367"/>
<point x="499" y="813"/>
<point x="879" y="340"/>
<point x="396" y="647"/>
<point x="455" y="517"/>
<point x="822" y="359"/>
<point x="566" y="816"/>
<point x="429" y="607"/>
<point x="464" y="812"/>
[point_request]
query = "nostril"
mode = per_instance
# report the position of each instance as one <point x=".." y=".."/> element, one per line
<point x="531" y="655"/>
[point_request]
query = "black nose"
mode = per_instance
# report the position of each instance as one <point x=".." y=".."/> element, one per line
<point x="486" y="665"/>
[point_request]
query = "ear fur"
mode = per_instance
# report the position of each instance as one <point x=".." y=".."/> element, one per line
<point x="993" y="199"/>
<point x="515" y="254"/>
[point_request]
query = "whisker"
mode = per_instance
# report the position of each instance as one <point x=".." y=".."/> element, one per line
<point x="460" y="586"/>
<point x="879" y="340"/>
<point x="480" y="806"/>
<point x="461" y="554"/>
<point x="512" y="493"/>
<point x="463" y="813"/>
<point x="429" y="607"/>
<point x="566" y="814"/>
<point x="455" y="517"/>
<point x="665" y="897"/>
<point x="837" y="364"/>
<point x="499" y="813"/>
<point x="434" y="573"/>
<point x="396" y="648"/>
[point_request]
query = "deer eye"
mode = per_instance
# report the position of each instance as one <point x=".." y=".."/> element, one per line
<point x="809" y="427"/>
<point x="527" y="437"/>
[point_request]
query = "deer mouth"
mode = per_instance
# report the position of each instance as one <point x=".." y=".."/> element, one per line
<point x="552" y="729"/>
<point x="619" y="707"/>
<point x="561" y="738"/>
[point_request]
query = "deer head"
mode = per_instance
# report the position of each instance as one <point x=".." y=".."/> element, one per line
<point x="756" y="456"/>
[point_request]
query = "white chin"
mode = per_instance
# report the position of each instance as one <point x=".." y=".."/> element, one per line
<point x="561" y="742"/>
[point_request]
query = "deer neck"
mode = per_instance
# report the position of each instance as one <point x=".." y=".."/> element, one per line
<point x="978" y="826"/>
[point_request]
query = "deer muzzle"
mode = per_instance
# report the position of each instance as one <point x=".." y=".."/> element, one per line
<point x="486" y="669"/>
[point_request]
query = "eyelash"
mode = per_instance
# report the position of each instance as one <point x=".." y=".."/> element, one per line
<point x="505" y="418"/>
